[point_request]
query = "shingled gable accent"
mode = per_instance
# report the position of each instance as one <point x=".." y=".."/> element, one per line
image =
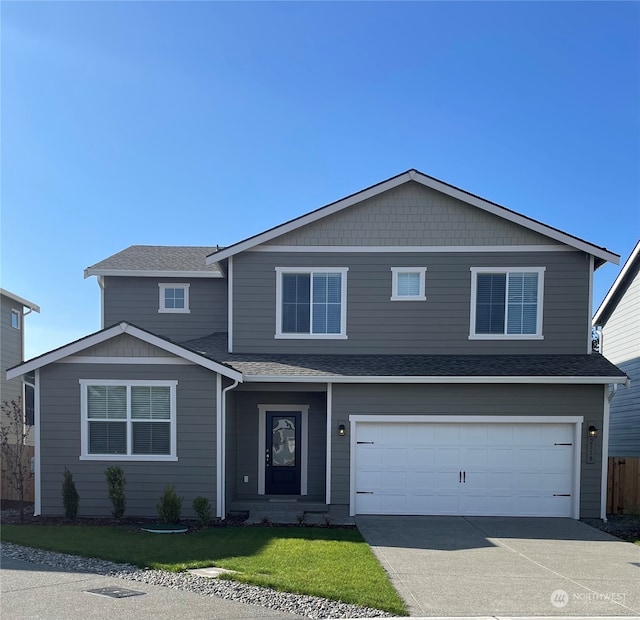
<point x="111" y="332"/>
<point x="602" y="255"/>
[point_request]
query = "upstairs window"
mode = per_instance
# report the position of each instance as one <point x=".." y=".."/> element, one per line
<point x="15" y="318"/>
<point x="311" y="303"/>
<point x="506" y="303"/>
<point x="174" y="298"/>
<point x="128" y="420"/>
<point x="407" y="283"/>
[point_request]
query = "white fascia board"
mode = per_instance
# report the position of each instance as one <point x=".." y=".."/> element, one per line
<point x="516" y="218"/>
<point x="631" y="261"/>
<point x="419" y="177"/>
<point x="21" y="300"/>
<point x="116" y="330"/>
<point x="142" y="273"/>
<point x="431" y="379"/>
<point x="309" y="218"/>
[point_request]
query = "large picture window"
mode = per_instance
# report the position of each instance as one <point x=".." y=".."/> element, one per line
<point x="506" y="303"/>
<point x="128" y="420"/>
<point x="311" y="303"/>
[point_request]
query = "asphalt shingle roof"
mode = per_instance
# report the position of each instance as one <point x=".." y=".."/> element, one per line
<point x="214" y="347"/>
<point x="159" y="258"/>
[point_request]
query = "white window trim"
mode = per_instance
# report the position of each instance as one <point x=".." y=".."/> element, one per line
<point x="421" y="296"/>
<point x="84" y="429"/>
<point x="18" y="316"/>
<point x="506" y="270"/>
<point x="343" y="303"/>
<point x="165" y="285"/>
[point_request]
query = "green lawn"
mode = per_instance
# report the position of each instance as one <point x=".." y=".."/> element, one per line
<point x="332" y="563"/>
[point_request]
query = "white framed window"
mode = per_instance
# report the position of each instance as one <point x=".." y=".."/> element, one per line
<point x="506" y="303"/>
<point x="311" y="302"/>
<point x="407" y="283"/>
<point x="15" y="318"/>
<point x="174" y="297"/>
<point x="128" y="420"/>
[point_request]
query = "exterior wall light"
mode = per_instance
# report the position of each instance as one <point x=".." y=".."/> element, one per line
<point x="342" y="431"/>
<point x="593" y="431"/>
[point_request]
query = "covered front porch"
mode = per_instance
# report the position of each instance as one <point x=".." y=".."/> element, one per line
<point x="277" y="445"/>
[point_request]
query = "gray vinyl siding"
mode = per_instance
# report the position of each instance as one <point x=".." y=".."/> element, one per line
<point x="412" y="214"/>
<point x="194" y="473"/>
<point x="10" y="349"/>
<point x="439" y="325"/>
<point x="508" y="400"/>
<point x="136" y="300"/>
<point x="242" y="438"/>
<point x="621" y="340"/>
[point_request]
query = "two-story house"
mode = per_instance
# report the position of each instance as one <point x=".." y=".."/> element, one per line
<point x="409" y="349"/>
<point x="618" y="321"/>
<point x="13" y="310"/>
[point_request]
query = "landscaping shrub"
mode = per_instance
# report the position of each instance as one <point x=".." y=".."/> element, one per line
<point x="170" y="506"/>
<point x="70" y="497"/>
<point x="116" y="483"/>
<point x="202" y="508"/>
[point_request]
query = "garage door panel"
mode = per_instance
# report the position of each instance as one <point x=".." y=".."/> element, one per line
<point x="510" y="469"/>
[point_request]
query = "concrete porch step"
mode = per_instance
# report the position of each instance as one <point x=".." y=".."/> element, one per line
<point x="288" y="517"/>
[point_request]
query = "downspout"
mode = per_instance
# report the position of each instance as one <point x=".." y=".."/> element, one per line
<point x="37" y="505"/>
<point x="221" y="444"/>
<point x="101" y="285"/>
<point x="608" y="397"/>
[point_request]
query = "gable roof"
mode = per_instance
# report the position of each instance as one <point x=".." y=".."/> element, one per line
<point x="158" y="260"/>
<point x="602" y="255"/>
<point x="116" y="330"/>
<point x="619" y="287"/>
<point x="313" y="368"/>
<point x="21" y="300"/>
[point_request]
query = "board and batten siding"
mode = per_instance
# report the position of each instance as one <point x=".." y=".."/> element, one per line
<point x="193" y="474"/>
<point x="136" y="300"/>
<point x="439" y="325"/>
<point x="621" y="340"/>
<point x="481" y="400"/>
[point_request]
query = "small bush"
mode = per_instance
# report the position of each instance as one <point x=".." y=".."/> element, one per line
<point x="170" y="506"/>
<point x="202" y="508"/>
<point x="116" y="483"/>
<point x="70" y="497"/>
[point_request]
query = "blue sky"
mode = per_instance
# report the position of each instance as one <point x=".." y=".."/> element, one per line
<point x="203" y="123"/>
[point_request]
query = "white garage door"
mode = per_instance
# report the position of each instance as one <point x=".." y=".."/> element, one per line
<point x="464" y="469"/>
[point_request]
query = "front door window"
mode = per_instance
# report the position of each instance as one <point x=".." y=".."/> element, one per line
<point x="282" y="464"/>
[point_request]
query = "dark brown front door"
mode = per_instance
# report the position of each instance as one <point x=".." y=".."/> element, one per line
<point x="282" y="458"/>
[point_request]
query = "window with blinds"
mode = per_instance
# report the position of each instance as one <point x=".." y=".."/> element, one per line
<point x="133" y="419"/>
<point x="408" y="283"/>
<point x="311" y="302"/>
<point x="507" y="303"/>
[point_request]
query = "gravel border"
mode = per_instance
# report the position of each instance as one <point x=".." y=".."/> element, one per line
<point x="309" y="606"/>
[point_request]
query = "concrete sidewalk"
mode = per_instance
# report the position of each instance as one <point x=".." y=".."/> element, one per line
<point x="34" y="592"/>
<point x="505" y="567"/>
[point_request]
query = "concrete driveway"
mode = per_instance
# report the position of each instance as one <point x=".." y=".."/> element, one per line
<point x="498" y="566"/>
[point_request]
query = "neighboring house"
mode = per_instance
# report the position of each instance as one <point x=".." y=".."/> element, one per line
<point x="13" y="310"/>
<point x="409" y="349"/>
<point x="618" y="322"/>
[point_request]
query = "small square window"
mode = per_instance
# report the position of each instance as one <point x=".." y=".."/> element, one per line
<point x="15" y="318"/>
<point x="407" y="283"/>
<point x="174" y="298"/>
